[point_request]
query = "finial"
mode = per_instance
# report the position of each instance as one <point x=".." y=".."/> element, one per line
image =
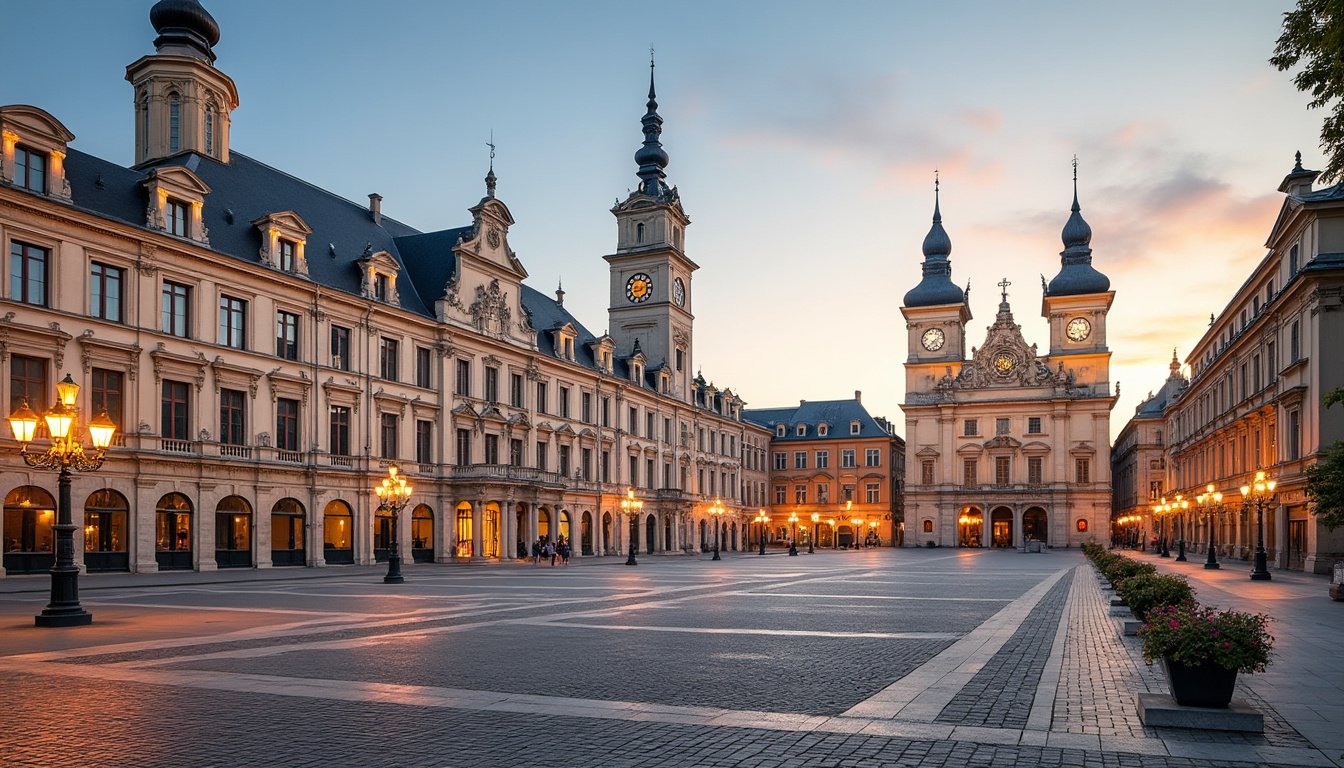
<point x="1003" y="284"/>
<point x="560" y="292"/>
<point x="490" y="176"/>
<point x="652" y="96"/>
<point x="937" y="214"/>
<point x="1297" y="166"/>
<point x="1075" y="184"/>
<point x="651" y="157"/>
<point x="967" y="292"/>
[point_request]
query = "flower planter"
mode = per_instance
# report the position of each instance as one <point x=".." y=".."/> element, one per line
<point x="1202" y="685"/>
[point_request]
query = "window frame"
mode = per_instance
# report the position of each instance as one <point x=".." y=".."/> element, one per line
<point x="286" y="335"/>
<point x="101" y="275"/>
<point x="22" y="256"/>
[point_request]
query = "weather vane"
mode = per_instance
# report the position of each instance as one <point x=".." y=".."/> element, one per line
<point x="491" y="145"/>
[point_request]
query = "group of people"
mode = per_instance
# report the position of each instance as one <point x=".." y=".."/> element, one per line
<point x="545" y="549"/>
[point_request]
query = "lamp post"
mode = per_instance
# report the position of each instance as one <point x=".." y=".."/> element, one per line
<point x="872" y="532"/>
<point x="857" y="522"/>
<point x="1212" y="503"/>
<point x="716" y="514"/>
<point x="631" y="507"/>
<point x="793" y="533"/>
<point x="393" y="495"/>
<point x="816" y="518"/>
<point x="1161" y="518"/>
<point x="834" y="543"/>
<point x="1259" y="493"/>
<point x="761" y="518"/>
<point x="65" y="453"/>
<point x="1179" y="507"/>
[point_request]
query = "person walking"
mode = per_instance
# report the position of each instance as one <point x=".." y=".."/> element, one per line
<point x="550" y="552"/>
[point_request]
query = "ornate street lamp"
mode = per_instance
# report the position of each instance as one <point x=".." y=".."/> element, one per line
<point x="762" y="519"/>
<point x="65" y="453"/>
<point x="1212" y="503"/>
<point x="835" y="544"/>
<point x="1259" y="493"/>
<point x="872" y="532"/>
<point x="1159" y="512"/>
<point x="1179" y="507"/>
<point x="857" y="522"/>
<point x="793" y="533"/>
<point x="816" y="518"/>
<point x="631" y="507"/>
<point x="393" y="495"/>
<point x="716" y="514"/>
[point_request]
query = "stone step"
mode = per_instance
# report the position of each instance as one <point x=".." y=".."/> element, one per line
<point x="1160" y="710"/>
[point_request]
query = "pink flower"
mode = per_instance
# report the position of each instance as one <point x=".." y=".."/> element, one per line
<point x="1226" y="644"/>
<point x="1174" y="624"/>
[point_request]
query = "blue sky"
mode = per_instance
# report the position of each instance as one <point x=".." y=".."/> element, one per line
<point x="803" y="138"/>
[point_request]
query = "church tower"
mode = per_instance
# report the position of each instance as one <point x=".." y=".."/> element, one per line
<point x="650" y="307"/>
<point x="182" y="103"/>
<point x="1076" y="301"/>
<point x="935" y="311"/>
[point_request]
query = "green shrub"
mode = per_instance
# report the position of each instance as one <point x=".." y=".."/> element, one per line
<point x="1123" y="568"/>
<point x="1146" y="591"/>
<point x="1192" y="634"/>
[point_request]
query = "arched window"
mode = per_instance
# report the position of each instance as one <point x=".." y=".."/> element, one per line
<point x="105" y="545"/>
<point x="287" y="544"/>
<point x="337" y="533"/>
<point x="174" y="123"/>
<point x="210" y="130"/>
<point x="422" y="534"/>
<point x="464" y="534"/>
<point x="30" y="513"/>
<point x="639" y="232"/>
<point x="233" y="533"/>
<point x="172" y="532"/>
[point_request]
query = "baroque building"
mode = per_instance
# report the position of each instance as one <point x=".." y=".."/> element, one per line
<point x="1139" y="455"/>
<point x="268" y="349"/>
<point x="832" y="459"/>
<point x="1007" y="445"/>
<point x="1257" y="379"/>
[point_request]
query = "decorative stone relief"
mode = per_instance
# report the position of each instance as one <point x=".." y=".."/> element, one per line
<point x="490" y="311"/>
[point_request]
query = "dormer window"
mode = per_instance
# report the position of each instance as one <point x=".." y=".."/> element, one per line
<point x="664" y="381"/>
<point x="286" y="256"/>
<point x="801" y="430"/>
<point x="823" y="430"/>
<point x="606" y="361"/>
<point x="567" y="348"/>
<point x="176" y="200"/>
<point x="283" y="236"/>
<point x="381" y="287"/>
<point x="636" y="372"/>
<point x="855" y="427"/>
<point x="781" y="431"/>
<point x="177" y="215"/>
<point x="30" y="169"/>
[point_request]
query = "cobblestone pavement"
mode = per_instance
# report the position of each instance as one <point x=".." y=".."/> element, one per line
<point x="883" y="658"/>
<point x="1001" y="693"/>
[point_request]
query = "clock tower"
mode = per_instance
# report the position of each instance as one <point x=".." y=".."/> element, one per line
<point x="1076" y="301"/>
<point x="935" y="311"/>
<point x="651" y="295"/>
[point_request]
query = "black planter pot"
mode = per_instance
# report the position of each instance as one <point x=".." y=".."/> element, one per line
<point x="1201" y="685"/>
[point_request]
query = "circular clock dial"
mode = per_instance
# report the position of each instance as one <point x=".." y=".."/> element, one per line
<point x="1004" y="364"/>
<point x="639" y="287"/>
<point x="1078" y="329"/>
<point x="679" y="292"/>
<point x="932" y="339"/>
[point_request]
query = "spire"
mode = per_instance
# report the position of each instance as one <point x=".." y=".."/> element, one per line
<point x="936" y="287"/>
<point x="185" y="28"/>
<point x="560" y="292"/>
<point x="1077" y="234"/>
<point x="1076" y="275"/>
<point x="1175" y="365"/>
<point x="651" y="157"/>
<point x="490" y="176"/>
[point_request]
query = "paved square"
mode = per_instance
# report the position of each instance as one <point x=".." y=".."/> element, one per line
<point x="902" y="658"/>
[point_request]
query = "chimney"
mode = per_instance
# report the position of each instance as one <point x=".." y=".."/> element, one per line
<point x="376" y="208"/>
<point x="858" y="395"/>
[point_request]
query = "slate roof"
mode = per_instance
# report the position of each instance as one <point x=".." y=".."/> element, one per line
<point x="1156" y="405"/>
<point x="838" y="414"/>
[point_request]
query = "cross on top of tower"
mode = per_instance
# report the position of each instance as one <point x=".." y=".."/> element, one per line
<point x="1003" y="284"/>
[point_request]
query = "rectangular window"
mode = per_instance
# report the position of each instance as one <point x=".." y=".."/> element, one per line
<point x="823" y="459"/>
<point x="423" y="368"/>
<point x="339" y="419"/>
<point x="926" y="472"/>
<point x="462" y="384"/>
<point x="541" y="455"/>
<point x="30" y="169"/>
<point x="28" y="273"/>
<point x="586" y="460"/>
<point x="1034" y="425"/>
<point x="971" y="427"/>
<point x="606" y="412"/>
<point x="1002" y="426"/>
<point x="1256" y="376"/>
<point x="848" y="458"/>
<point x="382" y="287"/>
<point x="515" y="452"/>
<point x="562" y="459"/>
<point x="424" y="442"/>
<point x="968" y="472"/>
<point x="780" y="492"/>
<point x="463" y="447"/>
<point x="287" y="335"/>
<point x="287" y="424"/>
<point x="606" y="466"/>
<point x="542" y="399"/>
<point x="108" y="394"/>
<point x="1293" y="261"/>
<point x="1294" y="435"/>
<point x="679" y="356"/>
<point x="177" y="217"/>
<point x="1034" y="466"/>
<point x="872" y="493"/>
<point x="286" y="256"/>
<point x="823" y="493"/>
<point x="516" y="390"/>
<point x="1271" y="354"/>
<point x="387" y="435"/>
<point x="232" y="417"/>
<point x="28" y="383"/>
<point x="176" y="310"/>
<point x="1082" y="471"/>
<point x="634" y="471"/>
<point x="232" y="321"/>
<point x="491" y="384"/>
<point x="1002" y="467"/>
<point x="586" y="407"/>
<point x="800" y="494"/>
<point x="176" y="408"/>
<point x="105" y="286"/>
<point x="781" y="460"/>
<point x="563" y="395"/>
<point x="388" y="351"/>
<point x="492" y="449"/>
<point x="872" y="457"/>
<point x="1244" y="385"/>
<point x="632" y="423"/>
<point x="1295" y="342"/>
<point x="800" y="459"/>
<point x="340" y="348"/>
<point x="649" y="430"/>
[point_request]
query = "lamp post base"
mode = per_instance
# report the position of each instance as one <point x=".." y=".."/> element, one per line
<point x="793" y="549"/>
<point x="1261" y="570"/>
<point x="631" y="559"/>
<point x="1180" y="551"/>
<point x="63" y="617"/>
<point x="716" y="554"/>
<point x="394" y="570"/>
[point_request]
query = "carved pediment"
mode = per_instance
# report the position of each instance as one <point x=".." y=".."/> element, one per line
<point x="1002" y="441"/>
<point x="927" y="452"/>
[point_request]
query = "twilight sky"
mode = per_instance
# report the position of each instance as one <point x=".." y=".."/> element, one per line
<point x="803" y="137"/>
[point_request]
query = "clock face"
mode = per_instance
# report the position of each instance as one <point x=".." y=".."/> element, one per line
<point x="1004" y="364"/>
<point x="679" y="292"/>
<point x="1078" y="329"/>
<point x="639" y="287"/>
<point x="932" y="339"/>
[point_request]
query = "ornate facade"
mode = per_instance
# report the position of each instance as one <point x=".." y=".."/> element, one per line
<point x="1007" y="445"/>
<point x="267" y="349"/>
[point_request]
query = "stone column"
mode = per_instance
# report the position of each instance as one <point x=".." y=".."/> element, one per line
<point x="1019" y="536"/>
<point x="477" y="519"/>
<point x="533" y="524"/>
<point x="510" y="524"/>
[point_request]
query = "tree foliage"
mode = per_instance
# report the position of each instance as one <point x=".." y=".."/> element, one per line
<point x="1325" y="478"/>
<point x="1313" y="36"/>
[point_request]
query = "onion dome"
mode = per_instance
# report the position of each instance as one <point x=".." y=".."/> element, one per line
<point x="936" y="288"/>
<point x="1076" y="275"/>
<point x="651" y="157"/>
<point x="186" y="26"/>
